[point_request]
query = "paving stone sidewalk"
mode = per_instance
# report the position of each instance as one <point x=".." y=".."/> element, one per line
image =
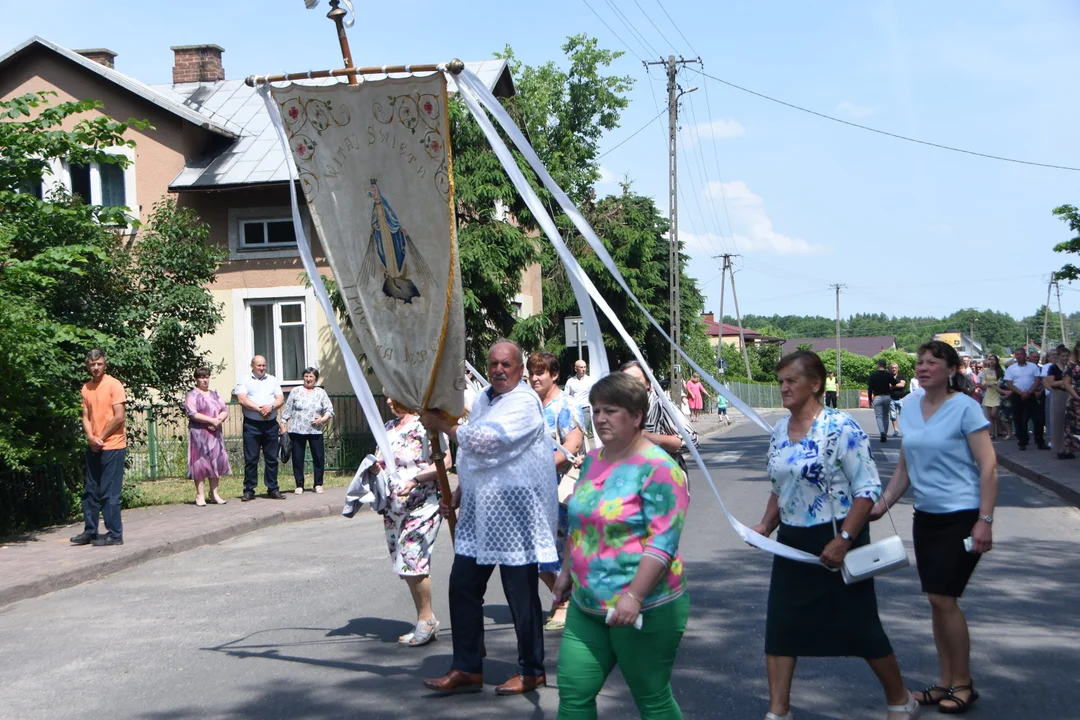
<point x="1043" y="468"/>
<point x="44" y="561"/>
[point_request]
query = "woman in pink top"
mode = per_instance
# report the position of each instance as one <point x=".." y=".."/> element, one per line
<point x="625" y="520"/>
<point x="694" y="392"/>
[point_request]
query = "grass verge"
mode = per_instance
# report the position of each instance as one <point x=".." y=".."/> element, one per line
<point x="182" y="490"/>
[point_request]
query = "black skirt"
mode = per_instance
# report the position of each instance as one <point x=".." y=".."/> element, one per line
<point x="812" y="613"/>
<point x="945" y="566"/>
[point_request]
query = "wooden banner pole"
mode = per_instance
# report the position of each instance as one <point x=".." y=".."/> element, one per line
<point x="439" y="458"/>
<point x="338" y="16"/>
<point x="454" y="66"/>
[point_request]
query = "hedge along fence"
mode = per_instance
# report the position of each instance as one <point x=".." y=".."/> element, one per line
<point x="37" y="497"/>
<point x="164" y="453"/>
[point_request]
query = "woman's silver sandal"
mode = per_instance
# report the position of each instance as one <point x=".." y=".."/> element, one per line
<point x="422" y="634"/>
<point x="911" y="707"/>
<point x="774" y="716"/>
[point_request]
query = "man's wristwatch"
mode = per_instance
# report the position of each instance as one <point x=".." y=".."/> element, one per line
<point x="988" y="519"/>
<point x="846" y="535"/>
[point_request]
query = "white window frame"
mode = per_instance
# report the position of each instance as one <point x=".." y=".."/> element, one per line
<point x="262" y="221"/>
<point x="238" y="216"/>
<point x="61" y="177"/>
<point x="243" y="338"/>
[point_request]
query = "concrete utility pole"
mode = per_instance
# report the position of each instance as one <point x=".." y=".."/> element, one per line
<point x="723" y="287"/>
<point x="1061" y="318"/>
<point x="1046" y="312"/>
<point x="674" y="256"/>
<point x="837" y="286"/>
<point x="724" y="272"/>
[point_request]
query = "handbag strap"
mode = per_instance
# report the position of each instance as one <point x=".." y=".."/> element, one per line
<point x="829" y="453"/>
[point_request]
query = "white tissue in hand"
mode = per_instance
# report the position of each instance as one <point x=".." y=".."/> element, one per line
<point x="611" y="613"/>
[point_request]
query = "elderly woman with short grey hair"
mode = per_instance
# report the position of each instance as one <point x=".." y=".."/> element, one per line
<point x="305" y="413"/>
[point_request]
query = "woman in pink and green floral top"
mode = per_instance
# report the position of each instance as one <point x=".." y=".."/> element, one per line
<point x="626" y="517"/>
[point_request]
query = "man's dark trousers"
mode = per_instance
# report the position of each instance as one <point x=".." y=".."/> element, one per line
<point x="101" y="491"/>
<point x="260" y="435"/>
<point x="1025" y="409"/>
<point x="468" y="582"/>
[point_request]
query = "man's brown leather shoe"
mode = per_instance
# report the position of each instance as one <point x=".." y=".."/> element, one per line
<point x="521" y="684"/>
<point x="455" y="682"/>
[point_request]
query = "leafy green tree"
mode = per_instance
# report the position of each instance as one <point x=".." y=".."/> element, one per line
<point x="854" y="369"/>
<point x="1070" y="216"/>
<point x="70" y="279"/>
<point x="901" y="358"/>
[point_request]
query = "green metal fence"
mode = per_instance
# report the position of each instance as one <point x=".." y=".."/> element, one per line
<point x="762" y="395"/>
<point x="347" y="437"/>
<point x="37" y="497"/>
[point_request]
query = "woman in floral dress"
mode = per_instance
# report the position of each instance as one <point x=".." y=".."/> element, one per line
<point x="1072" y="410"/>
<point x="412" y="518"/>
<point x="822" y="472"/>
<point x="207" y="458"/>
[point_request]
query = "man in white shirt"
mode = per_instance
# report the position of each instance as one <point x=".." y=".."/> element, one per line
<point x="1044" y="399"/>
<point x="509" y="500"/>
<point x="260" y="396"/>
<point x="578" y="388"/>
<point x="1023" y="379"/>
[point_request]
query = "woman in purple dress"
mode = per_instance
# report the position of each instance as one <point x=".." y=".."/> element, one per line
<point x="207" y="458"/>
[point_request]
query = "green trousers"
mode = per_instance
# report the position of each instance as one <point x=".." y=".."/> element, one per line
<point x="590" y="649"/>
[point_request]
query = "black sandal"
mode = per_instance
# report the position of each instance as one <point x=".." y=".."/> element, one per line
<point x="961" y="706"/>
<point x="928" y="695"/>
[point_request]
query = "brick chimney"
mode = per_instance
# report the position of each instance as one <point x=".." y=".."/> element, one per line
<point x="197" y="63"/>
<point x="708" y="317"/>
<point x="102" y="56"/>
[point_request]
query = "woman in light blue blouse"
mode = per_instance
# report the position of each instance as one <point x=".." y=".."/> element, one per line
<point x="821" y="471"/>
<point x="949" y="459"/>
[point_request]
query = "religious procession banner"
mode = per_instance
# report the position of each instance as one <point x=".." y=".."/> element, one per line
<point x="374" y="163"/>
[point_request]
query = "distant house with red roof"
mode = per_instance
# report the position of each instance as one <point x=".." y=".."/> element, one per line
<point x="718" y="332"/>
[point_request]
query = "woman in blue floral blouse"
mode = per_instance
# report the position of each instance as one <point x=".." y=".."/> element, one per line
<point x="821" y="469"/>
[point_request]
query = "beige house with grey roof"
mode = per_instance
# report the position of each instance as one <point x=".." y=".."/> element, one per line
<point x="212" y="146"/>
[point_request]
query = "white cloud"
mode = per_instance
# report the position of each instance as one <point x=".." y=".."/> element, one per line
<point x="606" y="177"/>
<point x="752" y="230"/>
<point x="721" y="129"/>
<point x="856" y="111"/>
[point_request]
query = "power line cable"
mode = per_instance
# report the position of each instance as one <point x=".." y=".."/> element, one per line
<point x="696" y="135"/>
<point x="676" y="28"/>
<point x="670" y="44"/>
<point x="631" y="136"/>
<point x="885" y="132"/>
<point x="624" y="43"/>
<point x="716" y="158"/>
<point x="696" y="193"/>
<point x="633" y="30"/>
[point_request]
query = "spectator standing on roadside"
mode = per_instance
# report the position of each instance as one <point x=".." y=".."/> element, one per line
<point x="1023" y="380"/>
<point x="1058" y="399"/>
<point x="1045" y="369"/>
<point x="879" y="389"/>
<point x="831" y="388"/>
<point x="259" y="394"/>
<point x="578" y="388"/>
<point x="103" y="407"/>
<point x="899" y="391"/>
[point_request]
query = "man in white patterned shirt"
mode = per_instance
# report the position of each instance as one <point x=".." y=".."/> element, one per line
<point x="508" y="494"/>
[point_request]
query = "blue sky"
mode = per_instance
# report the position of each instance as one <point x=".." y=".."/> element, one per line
<point x="910" y="229"/>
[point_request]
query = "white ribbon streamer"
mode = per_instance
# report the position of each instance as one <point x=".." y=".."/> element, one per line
<point x="477" y="97"/>
<point x="352" y="366"/>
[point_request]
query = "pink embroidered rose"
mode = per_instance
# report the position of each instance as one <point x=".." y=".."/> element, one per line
<point x="428" y="107"/>
<point x="294" y="112"/>
<point x="302" y="149"/>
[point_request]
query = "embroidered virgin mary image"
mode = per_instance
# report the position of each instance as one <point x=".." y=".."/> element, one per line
<point x="391" y="246"/>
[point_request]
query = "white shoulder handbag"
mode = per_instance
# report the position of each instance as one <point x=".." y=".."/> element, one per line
<point x="877" y="558"/>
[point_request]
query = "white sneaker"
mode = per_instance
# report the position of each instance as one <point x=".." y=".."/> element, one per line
<point x="299" y="491"/>
<point x="318" y="489"/>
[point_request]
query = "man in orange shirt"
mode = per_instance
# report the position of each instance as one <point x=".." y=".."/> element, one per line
<point x="103" y="402"/>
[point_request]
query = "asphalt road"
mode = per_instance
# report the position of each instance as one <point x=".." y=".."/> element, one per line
<point x="300" y="621"/>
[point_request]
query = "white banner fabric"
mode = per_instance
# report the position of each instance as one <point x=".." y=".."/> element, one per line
<point x="374" y="163"/>
<point x="477" y="97"/>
